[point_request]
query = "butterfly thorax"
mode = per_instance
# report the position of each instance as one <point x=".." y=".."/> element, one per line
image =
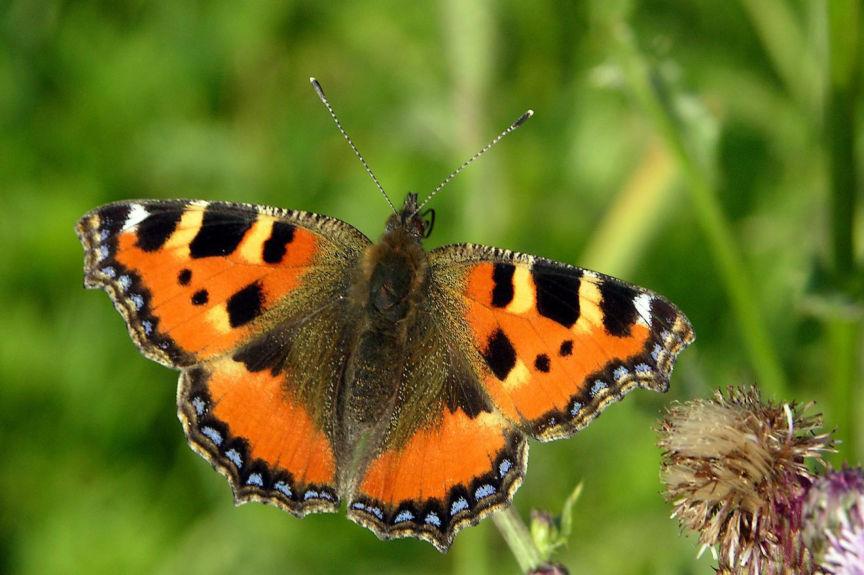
<point x="393" y="272"/>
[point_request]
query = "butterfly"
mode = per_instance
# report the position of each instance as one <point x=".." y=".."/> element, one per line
<point x="320" y="369"/>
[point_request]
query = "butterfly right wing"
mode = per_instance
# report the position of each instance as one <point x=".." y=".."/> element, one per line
<point x="449" y="457"/>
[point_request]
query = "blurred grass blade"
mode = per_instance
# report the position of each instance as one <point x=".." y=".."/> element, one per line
<point x="840" y="127"/>
<point x="639" y="208"/>
<point x="844" y="343"/>
<point x="471" y="49"/>
<point x="786" y="44"/>
<point x="657" y="97"/>
<point x="840" y="116"/>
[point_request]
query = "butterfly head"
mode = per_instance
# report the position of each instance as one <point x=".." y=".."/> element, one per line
<point x="417" y="225"/>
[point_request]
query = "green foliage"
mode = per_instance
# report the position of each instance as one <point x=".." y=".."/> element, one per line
<point x="685" y="146"/>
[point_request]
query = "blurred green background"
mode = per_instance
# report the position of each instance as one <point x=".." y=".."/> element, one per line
<point x="706" y="150"/>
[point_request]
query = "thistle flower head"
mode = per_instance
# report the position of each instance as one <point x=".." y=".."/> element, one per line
<point x="735" y="469"/>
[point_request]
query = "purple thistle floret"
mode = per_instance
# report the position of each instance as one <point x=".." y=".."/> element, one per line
<point x="834" y="519"/>
<point x="845" y="555"/>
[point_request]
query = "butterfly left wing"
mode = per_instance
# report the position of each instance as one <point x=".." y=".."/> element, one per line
<point x="263" y="416"/>
<point x="196" y="279"/>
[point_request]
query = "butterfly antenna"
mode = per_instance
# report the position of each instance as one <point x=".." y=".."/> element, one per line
<point x="511" y="128"/>
<point x="320" y="91"/>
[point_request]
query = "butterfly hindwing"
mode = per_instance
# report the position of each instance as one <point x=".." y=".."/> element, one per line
<point x="256" y="430"/>
<point x="559" y="343"/>
<point x="448" y="475"/>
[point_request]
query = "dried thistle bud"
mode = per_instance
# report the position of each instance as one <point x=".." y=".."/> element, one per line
<point x="834" y="521"/>
<point x="735" y="469"/>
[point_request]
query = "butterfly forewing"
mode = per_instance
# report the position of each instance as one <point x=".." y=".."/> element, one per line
<point x="557" y="343"/>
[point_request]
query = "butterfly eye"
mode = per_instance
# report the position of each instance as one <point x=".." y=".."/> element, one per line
<point x="428" y="218"/>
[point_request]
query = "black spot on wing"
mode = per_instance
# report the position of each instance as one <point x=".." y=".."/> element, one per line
<point x="463" y="393"/>
<point x="184" y="277"/>
<point x="275" y="246"/>
<point x="156" y="228"/>
<point x="502" y="277"/>
<point x="500" y="355"/>
<point x="619" y="311"/>
<point x="557" y="293"/>
<point x="220" y="233"/>
<point x="542" y="363"/>
<point x="566" y="348"/>
<point x="245" y="305"/>
<point x="663" y="313"/>
<point x="197" y="378"/>
<point x="200" y="297"/>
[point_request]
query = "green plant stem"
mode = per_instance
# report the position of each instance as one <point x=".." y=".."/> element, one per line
<point x="840" y="131"/>
<point x="840" y="126"/>
<point x="721" y="242"/>
<point x="843" y="342"/>
<point x="640" y="207"/>
<point x="472" y="46"/>
<point x="518" y="538"/>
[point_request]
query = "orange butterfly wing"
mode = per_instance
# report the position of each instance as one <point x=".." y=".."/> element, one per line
<point x="196" y="279"/>
<point x="450" y="474"/>
<point x="259" y="434"/>
<point x="558" y="343"/>
<point x="215" y="289"/>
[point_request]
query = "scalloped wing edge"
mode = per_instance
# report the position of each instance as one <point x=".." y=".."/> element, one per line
<point x="427" y="531"/>
<point x="550" y="426"/>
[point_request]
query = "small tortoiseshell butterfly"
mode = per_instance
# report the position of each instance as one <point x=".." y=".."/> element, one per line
<point x="319" y="367"/>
